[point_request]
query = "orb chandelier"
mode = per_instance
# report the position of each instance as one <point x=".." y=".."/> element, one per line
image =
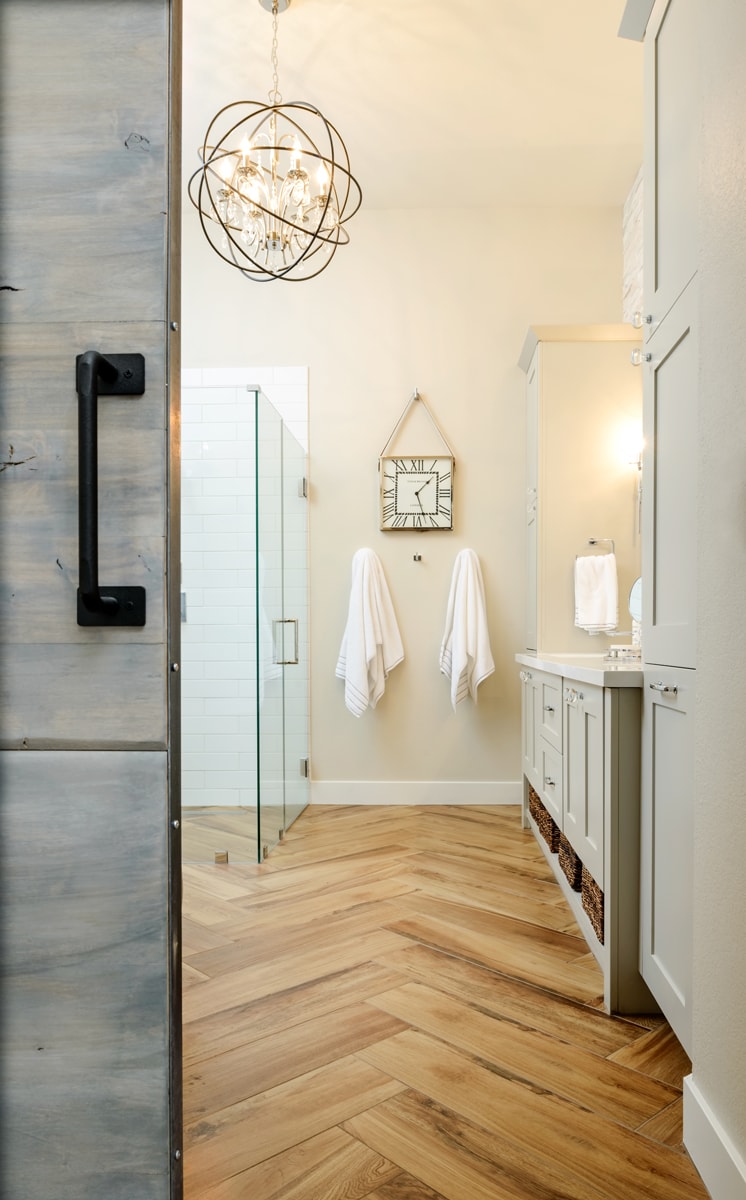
<point x="274" y="191"/>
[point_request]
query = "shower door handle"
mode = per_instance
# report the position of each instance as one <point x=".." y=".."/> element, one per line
<point x="279" y="632"/>
<point x="98" y="375"/>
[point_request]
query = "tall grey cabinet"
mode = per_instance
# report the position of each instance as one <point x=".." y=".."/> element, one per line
<point x="669" y="363"/>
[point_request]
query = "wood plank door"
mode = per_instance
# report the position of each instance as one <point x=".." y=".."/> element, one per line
<point x="89" y="712"/>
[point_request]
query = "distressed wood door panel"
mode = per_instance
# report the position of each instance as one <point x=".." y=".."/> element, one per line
<point x="91" y="87"/>
<point x="85" y="984"/>
<point x="39" y="481"/>
<point x="85" y="696"/>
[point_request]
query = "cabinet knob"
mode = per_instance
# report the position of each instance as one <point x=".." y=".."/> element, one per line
<point x="667" y="689"/>
<point x="549" y="783"/>
<point x="548" y="708"/>
<point x="637" y="357"/>
<point x="526" y="676"/>
<point x="639" y="319"/>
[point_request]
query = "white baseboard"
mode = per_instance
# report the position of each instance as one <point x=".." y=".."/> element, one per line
<point x="721" y="1165"/>
<point x="413" y="791"/>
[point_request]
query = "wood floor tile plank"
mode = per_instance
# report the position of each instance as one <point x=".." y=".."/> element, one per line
<point x="331" y="1166"/>
<point x="267" y="942"/>
<point x="512" y="957"/>
<point x="514" y="1000"/>
<point x="595" y="1153"/>
<point x="458" y="1159"/>
<point x="280" y="911"/>
<point x="263" y="1064"/>
<point x="284" y="971"/>
<point x="658" y="1054"/>
<point x="245" y="1134"/>
<point x="437" y="885"/>
<point x="537" y="1058"/>
<point x="667" y="1127"/>
<point x="405" y="1187"/>
<point x="219" y="1032"/>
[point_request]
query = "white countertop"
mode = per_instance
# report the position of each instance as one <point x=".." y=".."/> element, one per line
<point x="587" y="668"/>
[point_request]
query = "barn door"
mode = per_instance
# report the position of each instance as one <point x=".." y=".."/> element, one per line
<point x="88" y="712"/>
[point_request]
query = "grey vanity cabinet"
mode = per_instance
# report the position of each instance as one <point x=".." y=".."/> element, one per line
<point x="581" y="754"/>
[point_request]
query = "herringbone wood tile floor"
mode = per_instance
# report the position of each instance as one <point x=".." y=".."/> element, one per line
<point x="398" y="1005"/>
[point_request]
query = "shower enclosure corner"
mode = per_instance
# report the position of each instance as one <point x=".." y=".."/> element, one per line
<point x="245" y="679"/>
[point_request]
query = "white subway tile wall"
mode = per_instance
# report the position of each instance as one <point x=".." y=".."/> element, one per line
<point x="220" y="675"/>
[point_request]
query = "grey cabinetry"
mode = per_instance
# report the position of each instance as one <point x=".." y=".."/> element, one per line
<point x="667" y="852"/>
<point x="542" y="737"/>
<point x="581" y="754"/>
<point x="670" y="418"/>
<point x="583" y="766"/>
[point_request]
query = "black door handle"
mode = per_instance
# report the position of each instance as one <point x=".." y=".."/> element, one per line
<point x="101" y="375"/>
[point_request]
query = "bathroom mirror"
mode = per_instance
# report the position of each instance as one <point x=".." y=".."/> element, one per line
<point x="635" y="600"/>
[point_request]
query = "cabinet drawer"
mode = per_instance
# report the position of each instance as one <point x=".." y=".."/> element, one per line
<point x="550" y="779"/>
<point x="549" y="716"/>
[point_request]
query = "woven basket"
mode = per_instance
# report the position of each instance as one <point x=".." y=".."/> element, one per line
<point x="545" y="823"/>
<point x="571" y="864"/>
<point x="593" y="904"/>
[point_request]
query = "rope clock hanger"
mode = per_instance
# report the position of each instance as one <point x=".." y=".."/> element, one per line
<point x="416" y="490"/>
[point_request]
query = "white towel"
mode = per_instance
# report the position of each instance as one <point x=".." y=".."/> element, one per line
<point x="371" y="645"/>
<point x="596" y="593"/>
<point x="465" y="654"/>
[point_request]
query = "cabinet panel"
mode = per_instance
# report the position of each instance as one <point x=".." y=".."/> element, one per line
<point x="583" y="763"/>
<point x="670" y="490"/>
<point x="670" y="155"/>
<point x="529" y="737"/>
<point x="667" y="843"/>
<point x="550" y="771"/>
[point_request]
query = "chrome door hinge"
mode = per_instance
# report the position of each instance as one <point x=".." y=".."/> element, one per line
<point x="303" y="488"/>
<point x="305" y="769"/>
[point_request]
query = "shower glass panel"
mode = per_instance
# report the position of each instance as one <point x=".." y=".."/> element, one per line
<point x="244" y="652"/>
<point x="282" y="598"/>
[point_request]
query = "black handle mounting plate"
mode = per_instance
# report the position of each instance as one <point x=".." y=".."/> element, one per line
<point x="131" y="610"/>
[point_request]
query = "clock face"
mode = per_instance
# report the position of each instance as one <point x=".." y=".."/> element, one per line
<point x="417" y="493"/>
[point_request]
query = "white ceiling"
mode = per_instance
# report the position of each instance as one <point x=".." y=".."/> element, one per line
<point x="441" y="103"/>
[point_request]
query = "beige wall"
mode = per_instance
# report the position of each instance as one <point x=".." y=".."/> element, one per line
<point x="415" y="300"/>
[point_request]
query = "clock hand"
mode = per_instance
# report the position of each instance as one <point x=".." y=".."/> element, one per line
<point x="424" y="485"/>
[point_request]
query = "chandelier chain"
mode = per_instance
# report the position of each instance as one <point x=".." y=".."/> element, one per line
<point x="274" y="96"/>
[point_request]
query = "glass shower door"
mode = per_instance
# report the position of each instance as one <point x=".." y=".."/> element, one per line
<point x="282" y="627"/>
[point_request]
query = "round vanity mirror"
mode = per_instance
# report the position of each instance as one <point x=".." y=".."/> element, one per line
<point x="635" y="600"/>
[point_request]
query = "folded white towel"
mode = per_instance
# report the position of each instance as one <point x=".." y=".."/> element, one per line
<point x="465" y="654"/>
<point x="596" y="593"/>
<point x="371" y="644"/>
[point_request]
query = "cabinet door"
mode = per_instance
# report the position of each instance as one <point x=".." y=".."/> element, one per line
<point x="583" y="764"/>
<point x="669" y="481"/>
<point x="667" y="850"/>
<point x="550" y="781"/>
<point x="670" y="155"/>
